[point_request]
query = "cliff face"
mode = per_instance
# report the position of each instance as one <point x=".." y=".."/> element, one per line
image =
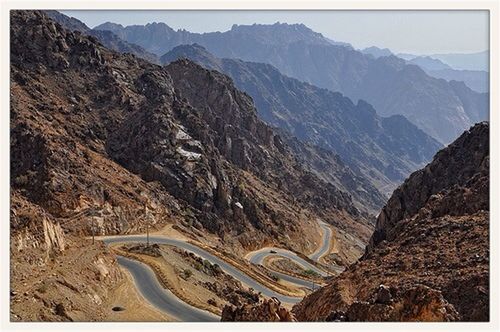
<point x="428" y="259"/>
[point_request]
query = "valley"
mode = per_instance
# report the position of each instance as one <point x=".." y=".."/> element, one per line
<point x="152" y="290"/>
<point x="161" y="175"/>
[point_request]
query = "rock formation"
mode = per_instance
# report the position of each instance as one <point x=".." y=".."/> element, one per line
<point x="428" y="259"/>
<point x="266" y="311"/>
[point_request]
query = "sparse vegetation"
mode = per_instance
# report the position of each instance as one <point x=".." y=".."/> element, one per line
<point x="43" y="288"/>
<point x="187" y="273"/>
<point x="310" y="273"/>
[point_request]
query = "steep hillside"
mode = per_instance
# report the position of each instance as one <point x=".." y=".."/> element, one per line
<point x="384" y="150"/>
<point x="428" y="259"/>
<point x="388" y="83"/>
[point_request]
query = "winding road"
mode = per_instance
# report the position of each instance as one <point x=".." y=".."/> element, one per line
<point x="150" y="288"/>
<point x="325" y="242"/>
<point x="258" y="256"/>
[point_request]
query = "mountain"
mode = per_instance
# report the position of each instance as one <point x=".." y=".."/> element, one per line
<point x="428" y="63"/>
<point x="460" y="61"/>
<point x="466" y="61"/>
<point x="183" y="127"/>
<point x="384" y="150"/>
<point x="107" y="38"/>
<point x="477" y="80"/>
<point x="159" y="38"/>
<point x="428" y="259"/>
<point x="387" y="83"/>
<point x="377" y="52"/>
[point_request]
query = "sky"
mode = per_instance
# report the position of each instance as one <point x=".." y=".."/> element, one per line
<point x="415" y="32"/>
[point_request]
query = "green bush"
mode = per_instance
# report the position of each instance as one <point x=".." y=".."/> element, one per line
<point x="207" y="264"/>
<point x="311" y="273"/>
<point x="187" y="273"/>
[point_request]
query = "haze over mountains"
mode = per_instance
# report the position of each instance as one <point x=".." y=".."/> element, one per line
<point x="384" y="150"/>
<point x="388" y="83"/>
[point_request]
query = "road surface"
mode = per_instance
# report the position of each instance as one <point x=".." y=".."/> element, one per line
<point x="258" y="256"/>
<point x="325" y="242"/>
<point x="148" y="285"/>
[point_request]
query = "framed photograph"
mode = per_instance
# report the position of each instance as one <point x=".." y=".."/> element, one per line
<point x="275" y="166"/>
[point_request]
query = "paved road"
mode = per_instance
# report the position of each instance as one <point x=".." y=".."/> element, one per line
<point x="325" y="242"/>
<point x="229" y="269"/>
<point x="148" y="285"/>
<point x="257" y="257"/>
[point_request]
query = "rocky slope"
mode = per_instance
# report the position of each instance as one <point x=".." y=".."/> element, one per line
<point x="388" y="83"/>
<point x="107" y="38"/>
<point x="96" y="136"/>
<point x="384" y="150"/>
<point x="428" y="259"/>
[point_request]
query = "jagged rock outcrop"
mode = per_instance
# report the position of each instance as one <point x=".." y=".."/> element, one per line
<point x="417" y="304"/>
<point x="452" y="167"/>
<point x="266" y="311"/>
<point x="433" y="232"/>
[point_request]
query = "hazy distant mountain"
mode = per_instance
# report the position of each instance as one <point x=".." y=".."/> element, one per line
<point x="477" y="80"/>
<point x="428" y="63"/>
<point x="159" y="38"/>
<point x="385" y="150"/>
<point x="388" y="83"/>
<point x="376" y="51"/>
<point x="460" y="61"/>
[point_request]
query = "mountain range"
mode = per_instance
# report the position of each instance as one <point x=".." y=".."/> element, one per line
<point x="477" y="80"/>
<point x="388" y="83"/>
<point x="384" y="150"/>
<point x="460" y="61"/>
<point x="131" y="130"/>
